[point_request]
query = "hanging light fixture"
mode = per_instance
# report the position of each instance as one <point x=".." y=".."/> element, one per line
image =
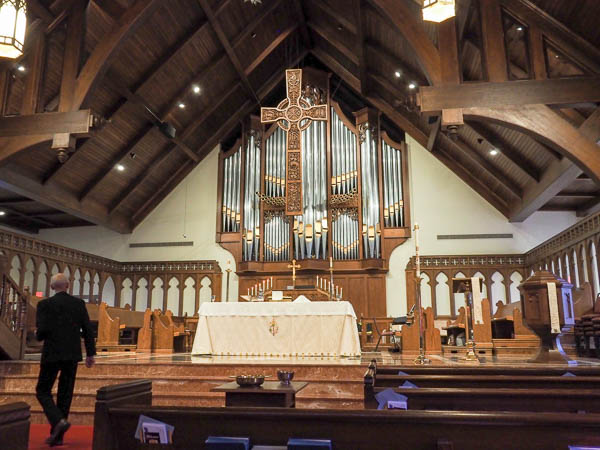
<point x="438" y="10"/>
<point x="12" y="28"/>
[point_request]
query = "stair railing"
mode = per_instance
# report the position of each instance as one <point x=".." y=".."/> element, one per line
<point x="13" y="309"/>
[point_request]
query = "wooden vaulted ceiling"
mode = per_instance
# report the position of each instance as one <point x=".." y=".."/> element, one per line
<point x="138" y="60"/>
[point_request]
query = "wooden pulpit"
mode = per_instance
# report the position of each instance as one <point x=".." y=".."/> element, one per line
<point x="547" y="307"/>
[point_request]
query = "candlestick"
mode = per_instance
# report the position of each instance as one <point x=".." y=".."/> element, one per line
<point x="330" y="261"/>
<point x="341" y="289"/>
<point x="248" y="291"/>
<point x="417" y="259"/>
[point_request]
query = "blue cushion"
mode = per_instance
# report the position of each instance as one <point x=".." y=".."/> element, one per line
<point x="227" y="443"/>
<point x="309" y="444"/>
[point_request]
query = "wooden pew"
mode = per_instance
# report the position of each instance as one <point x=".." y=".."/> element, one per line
<point x="118" y="408"/>
<point x="507" y="371"/>
<point x="482" y="332"/>
<point x="181" y="336"/>
<point x="410" y="336"/>
<point x="510" y="336"/>
<point x="112" y="322"/>
<point x="162" y="333"/>
<point x="14" y="425"/>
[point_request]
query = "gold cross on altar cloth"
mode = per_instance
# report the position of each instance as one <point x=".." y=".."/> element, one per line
<point x="293" y="115"/>
<point x="294" y="266"/>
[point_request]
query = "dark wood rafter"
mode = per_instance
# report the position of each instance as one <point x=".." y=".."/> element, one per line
<point x="433" y="99"/>
<point x="359" y="17"/>
<point x="212" y="18"/>
<point x="589" y="208"/>
<point x="324" y="6"/>
<point x="408" y="74"/>
<point x="420" y="136"/>
<point x="103" y="55"/>
<point x="556" y="178"/>
<point x="545" y="125"/>
<point x="414" y="32"/>
<point x="172" y="105"/>
<point x="488" y="167"/>
<point x="494" y="52"/>
<point x="301" y="17"/>
<point x="506" y="150"/>
<point x="570" y="42"/>
<point x="209" y="145"/>
<point x="329" y="36"/>
<point x="433" y="134"/>
<point x="28" y="217"/>
<point x="72" y="55"/>
<point x="33" y="83"/>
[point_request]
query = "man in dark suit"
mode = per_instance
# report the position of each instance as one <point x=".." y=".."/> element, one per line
<point x="61" y="321"/>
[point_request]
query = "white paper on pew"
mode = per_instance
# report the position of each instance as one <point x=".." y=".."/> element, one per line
<point x="408" y="385"/>
<point x="568" y="374"/>
<point x="477" y="311"/>
<point x="395" y="404"/>
<point x="553" y="307"/>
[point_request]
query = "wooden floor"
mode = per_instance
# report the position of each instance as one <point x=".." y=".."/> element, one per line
<point x="186" y="380"/>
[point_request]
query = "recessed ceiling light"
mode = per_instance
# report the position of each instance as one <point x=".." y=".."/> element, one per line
<point x="2" y="213"/>
<point x="253" y="35"/>
<point x="21" y="68"/>
<point x="412" y="85"/>
<point x="196" y="89"/>
<point x="519" y="28"/>
<point x="493" y="152"/>
<point x="181" y="105"/>
<point x="340" y="28"/>
<point x="398" y="74"/>
<point x="120" y="167"/>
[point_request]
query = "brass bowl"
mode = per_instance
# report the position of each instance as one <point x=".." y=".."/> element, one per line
<point x="250" y="380"/>
<point x="285" y="376"/>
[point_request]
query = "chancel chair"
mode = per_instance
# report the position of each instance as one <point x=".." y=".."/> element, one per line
<point x="382" y="334"/>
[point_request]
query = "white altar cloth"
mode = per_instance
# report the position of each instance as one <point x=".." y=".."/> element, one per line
<point x="277" y="329"/>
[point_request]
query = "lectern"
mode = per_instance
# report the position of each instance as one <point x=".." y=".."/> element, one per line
<point x="547" y="307"/>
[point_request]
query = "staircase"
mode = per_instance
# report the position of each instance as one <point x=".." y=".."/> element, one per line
<point x="13" y="319"/>
<point x="176" y="384"/>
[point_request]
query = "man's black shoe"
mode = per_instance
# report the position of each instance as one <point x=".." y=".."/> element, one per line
<point x="59" y="430"/>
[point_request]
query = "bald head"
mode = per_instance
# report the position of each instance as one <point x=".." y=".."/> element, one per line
<point x="59" y="282"/>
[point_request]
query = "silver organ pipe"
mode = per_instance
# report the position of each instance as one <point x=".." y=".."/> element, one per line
<point x="251" y="234"/>
<point x="231" y="193"/>
<point x="370" y="192"/>
<point x="345" y="242"/>
<point x="392" y="187"/>
<point x="276" y="224"/>
<point x="310" y="229"/>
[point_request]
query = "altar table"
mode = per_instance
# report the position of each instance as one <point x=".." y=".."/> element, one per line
<point x="277" y="329"/>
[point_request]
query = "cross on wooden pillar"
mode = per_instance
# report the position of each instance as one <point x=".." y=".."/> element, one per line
<point x="293" y="115"/>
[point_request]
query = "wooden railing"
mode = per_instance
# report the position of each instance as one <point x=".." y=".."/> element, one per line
<point x="572" y="255"/>
<point x="13" y="311"/>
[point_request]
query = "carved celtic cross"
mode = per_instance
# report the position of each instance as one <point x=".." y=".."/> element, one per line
<point x="293" y="115"/>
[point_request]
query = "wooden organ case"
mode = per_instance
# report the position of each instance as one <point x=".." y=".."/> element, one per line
<point x="355" y="202"/>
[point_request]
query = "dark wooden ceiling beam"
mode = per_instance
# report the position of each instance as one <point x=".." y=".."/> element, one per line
<point x="432" y="99"/>
<point x="75" y="122"/>
<point x="506" y="150"/>
<point x="103" y="54"/>
<point x="589" y="208"/>
<point x="433" y="134"/>
<point x="492" y="33"/>
<point x="13" y="180"/>
<point x="269" y="49"/>
<point x="413" y="31"/>
<point x="235" y="61"/>
<point x="329" y="36"/>
<point x="74" y="45"/>
<point x="33" y="82"/>
<point x="165" y="59"/>
<point x="585" y="53"/>
<point x="210" y="144"/>
<point x="27" y="217"/>
<point x="190" y="129"/>
<point x="559" y="176"/>
<point x="334" y="15"/>
<point x="127" y="149"/>
<point x="488" y="167"/>
<point x="359" y="18"/>
<point x="408" y="74"/>
<point x="301" y="18"/>
<point x="545" y="125"/>
<point x="195" y="79"/>
<point x="16" y="201"/>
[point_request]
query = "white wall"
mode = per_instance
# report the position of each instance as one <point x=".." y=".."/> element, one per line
<point x="441" y="204"/>
<point x="164" y="224"/>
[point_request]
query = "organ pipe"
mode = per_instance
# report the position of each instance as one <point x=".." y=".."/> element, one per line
<point x="393" y="208"/>
<point x="251" y="235"/>
<point x="231" y="193"/>
<point x="370" y="191"/>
